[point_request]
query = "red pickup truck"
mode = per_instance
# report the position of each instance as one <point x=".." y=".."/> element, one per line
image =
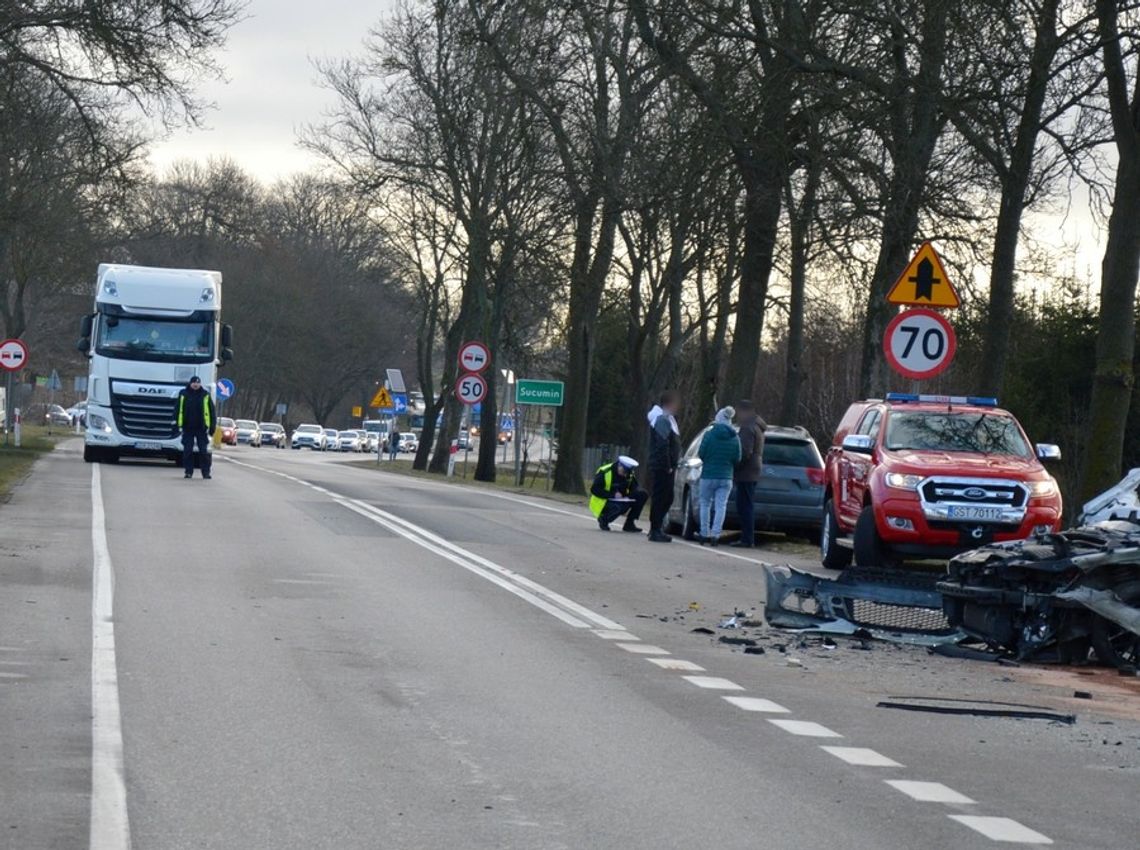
<point x="930" y="476"/>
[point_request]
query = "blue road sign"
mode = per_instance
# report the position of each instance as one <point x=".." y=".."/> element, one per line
<point x="400" y="403"/>
<point x="225" y="389"/>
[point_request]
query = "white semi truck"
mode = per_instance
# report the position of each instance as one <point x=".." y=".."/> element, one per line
<point x="152" y="329"/>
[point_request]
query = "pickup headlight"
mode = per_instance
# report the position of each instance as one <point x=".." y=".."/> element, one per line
<point x="1043" y="489"/>
<point x="98" y="423"/>
<point x="901" y="481"/>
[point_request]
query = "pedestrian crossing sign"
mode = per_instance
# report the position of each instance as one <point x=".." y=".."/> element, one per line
<point x="382" y="400"/>
<point x="925" y="282"/>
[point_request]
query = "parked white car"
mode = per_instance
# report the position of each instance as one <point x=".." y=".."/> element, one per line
<point x="309" y="437"/>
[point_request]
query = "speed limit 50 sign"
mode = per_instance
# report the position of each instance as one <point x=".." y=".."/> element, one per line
<point x="920" y="344"/>
<point x="471" y="388"/>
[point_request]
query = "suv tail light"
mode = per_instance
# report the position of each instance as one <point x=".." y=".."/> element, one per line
<point x="815" y="476"/>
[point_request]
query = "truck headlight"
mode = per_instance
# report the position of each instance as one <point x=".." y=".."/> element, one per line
<point x="900" y="481"/>
<point x="98" y="423"/>
<point x="1043" y="489"/>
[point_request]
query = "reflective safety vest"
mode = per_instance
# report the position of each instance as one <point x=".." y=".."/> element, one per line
<point x="597" y="503"/>
<point x="206" y="420"/>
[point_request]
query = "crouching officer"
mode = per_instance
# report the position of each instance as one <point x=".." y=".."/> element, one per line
<point x="197" y="422"/>
<point x="615" y="492"/>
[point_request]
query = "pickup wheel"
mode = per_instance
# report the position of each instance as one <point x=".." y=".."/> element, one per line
<point x="833" y="555"/>
<point x="869" y="549"/>
<point x="1115" y="645"/>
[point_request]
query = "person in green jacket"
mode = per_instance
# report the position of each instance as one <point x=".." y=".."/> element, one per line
<point x="719" y="454"/>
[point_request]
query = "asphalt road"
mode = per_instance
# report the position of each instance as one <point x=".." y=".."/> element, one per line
<point x="307" y="653"/>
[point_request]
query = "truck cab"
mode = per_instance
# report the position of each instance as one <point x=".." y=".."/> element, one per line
<point x="918" y="476"/>
<point x="152" y="329"/>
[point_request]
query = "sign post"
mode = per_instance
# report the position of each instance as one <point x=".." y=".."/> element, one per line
<point x="13" y="358"/>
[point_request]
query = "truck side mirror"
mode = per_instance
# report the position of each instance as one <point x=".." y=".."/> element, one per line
<point x="86" y="324"/>
<point x="227" y="355"/>
<point x="228" y="337"/>
<point x="84" y="345"/>
<point x="1048" y="452"/>
<point x="859" y="443"/>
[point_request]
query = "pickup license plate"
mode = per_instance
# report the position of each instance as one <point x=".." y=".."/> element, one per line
<point x="975" y="514"/>
<point x="149" y="447"/>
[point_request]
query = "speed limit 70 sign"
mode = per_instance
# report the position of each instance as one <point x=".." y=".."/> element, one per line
<point x="471" y="388"/>
<point x="919" y="344"/>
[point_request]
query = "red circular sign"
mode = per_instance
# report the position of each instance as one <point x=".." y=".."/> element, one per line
<point x="474" y="357"/>
<point x="920" y="344"/>
<point x="13" y="355"/>
<point x="471" y="388"/>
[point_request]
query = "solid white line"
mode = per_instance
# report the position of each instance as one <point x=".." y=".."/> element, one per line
<point x="713" y="683"/>
<point x="861" y="756"/>
<point x="756" y="704"/>
<point x="1002" y="829"/>
<point x="642" y="648"/>
<point x="929" y="792"/>
<point x="676" y="664"/>
<point x="110" y="828"/>
<point x="614" y="634"/>
<point x="805" y="728"/>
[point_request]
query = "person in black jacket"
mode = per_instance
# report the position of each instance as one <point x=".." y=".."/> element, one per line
<point x="748" y="470"/>
<point x="664" y="455"/>
<point x="197" y="422"/>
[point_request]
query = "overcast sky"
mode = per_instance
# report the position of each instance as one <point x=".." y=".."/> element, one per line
<point x="271" y="89"/>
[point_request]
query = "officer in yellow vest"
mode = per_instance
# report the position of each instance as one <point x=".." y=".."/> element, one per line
<point x="615" y="492"/>
<point x="196" y="422"/>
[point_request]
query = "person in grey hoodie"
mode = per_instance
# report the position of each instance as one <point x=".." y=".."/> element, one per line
<point x="719" y="453"/>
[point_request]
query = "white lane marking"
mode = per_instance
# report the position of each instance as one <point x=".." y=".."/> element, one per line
<point x="110" y="828"/>
<point x="861" y="757"/>
<point x="805" y="728"/>
<point x="676" y="664"/>
<point x="1005" y="830"/>
<point x="713" y="683"/>
<point x="614" y="634"/>
<point x="929" y="792"/>
<point x="541" y="604"/>
<point x="765" y="706"/>
<point x="13" y="675"/>
<point x="642" y="648"/>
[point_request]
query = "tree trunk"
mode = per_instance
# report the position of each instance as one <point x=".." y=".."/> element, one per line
<point x="800" y="220"/>
<point x="1015" y="184"/>
<point x="1116" y="336"/>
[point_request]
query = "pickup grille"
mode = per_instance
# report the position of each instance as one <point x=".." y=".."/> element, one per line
<point x="987" y="493"/>
<point x="146" y="418"/>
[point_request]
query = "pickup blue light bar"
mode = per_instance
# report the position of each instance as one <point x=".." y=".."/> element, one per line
<point x="974" y="400"/>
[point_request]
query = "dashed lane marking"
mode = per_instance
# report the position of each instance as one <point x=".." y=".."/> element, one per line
<point x="805" y="728"/>
<point x="930" y="792"/>
<point x="861" y="757"/>
<point x="713" y="683"/>
<point x="764" y="706"/>
<point x="642" y="648"/>
<point x="676" y="664"/>
<point x="1004" y="830"/>
<point x="614" y="634"/>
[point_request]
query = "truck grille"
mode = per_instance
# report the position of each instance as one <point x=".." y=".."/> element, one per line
<point x="146" y="418"/>
<point x="981" y="492"/>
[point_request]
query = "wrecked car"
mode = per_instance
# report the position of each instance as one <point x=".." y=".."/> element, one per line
<point x="1053" y="595"/>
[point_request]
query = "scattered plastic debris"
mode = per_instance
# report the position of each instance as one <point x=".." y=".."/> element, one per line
<point x="794" y="662"/>
<point x="701" y="630"/>
<point x="729" y="623"/>
<point x="976" y="708"/>
<point x="737" y="641"/>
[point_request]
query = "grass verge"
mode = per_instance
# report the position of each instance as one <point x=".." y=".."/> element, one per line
<point x="15" y="463"/>
<point x="504" y="480"/>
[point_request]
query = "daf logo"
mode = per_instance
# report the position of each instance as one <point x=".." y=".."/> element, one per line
<point x="974" y="493"/>
<point x="152" y="390"/>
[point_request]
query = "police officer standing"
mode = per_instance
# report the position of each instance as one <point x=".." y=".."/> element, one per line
<point x="197" y="422"/>
<point x="615" y="492"/>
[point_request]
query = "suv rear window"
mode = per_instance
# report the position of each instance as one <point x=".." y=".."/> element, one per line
<point x="984" y="433"/>
<point x="783" y="452"/>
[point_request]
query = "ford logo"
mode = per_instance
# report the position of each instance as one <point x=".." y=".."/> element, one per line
<point x="974" y="493"/>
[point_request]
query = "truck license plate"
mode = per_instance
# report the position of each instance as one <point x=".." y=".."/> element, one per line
<point x="975" y="514"/>
<point x="149" y="447"/>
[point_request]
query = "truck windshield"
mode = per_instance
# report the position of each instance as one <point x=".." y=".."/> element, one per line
<point x="983" y="433"/>
<point x="131" y="338"/>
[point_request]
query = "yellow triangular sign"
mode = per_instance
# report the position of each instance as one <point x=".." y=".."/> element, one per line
<point x="382" y="399"/>
<point x="925" y="282"/>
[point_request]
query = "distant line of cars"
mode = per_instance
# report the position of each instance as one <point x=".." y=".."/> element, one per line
<point x="313" y="437"/>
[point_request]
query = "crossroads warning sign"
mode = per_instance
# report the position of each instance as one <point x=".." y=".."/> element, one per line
<point x="925" y="282"/>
